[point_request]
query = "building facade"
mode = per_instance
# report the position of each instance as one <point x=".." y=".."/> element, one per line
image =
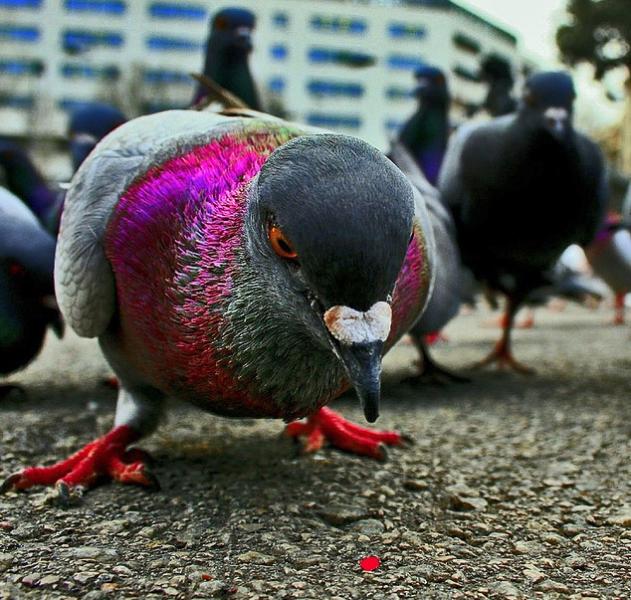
<point x="346" y="66"/>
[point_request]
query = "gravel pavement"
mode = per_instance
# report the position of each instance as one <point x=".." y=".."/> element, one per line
<point x="517" y="487"/>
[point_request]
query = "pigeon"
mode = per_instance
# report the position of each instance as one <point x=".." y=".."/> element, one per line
<point x="496" y="71"/>
<point x="23" y="179"/>
<point x="446" y="296"/>
<point x="227" y="49"/>
<point x="250" y="266"/>
<point x="27" y="309"/>
<point x="89" y="123"/>
<point x="610" y="257"/>
<point x="426" y="133"/>
<point x="522" y="188"/>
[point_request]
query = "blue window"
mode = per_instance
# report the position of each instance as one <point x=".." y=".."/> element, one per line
<point x="406" y="30"/>
<point x="19" y="33"/>
<point x="466" y="73"/>
<point x="393" y="125"/>
<point x="84" y="71"/>
<point x="162" y="43"/>
<point x="21" y="66"/>
<point x="395" y="92"/>
<point x="77" y="40"/>
<point x="110" y="7"/>
<point x="176" y="10"/>
<point x="279" y="51"/>
<point x="280" y="20"/>
<point x="404" y="62"/>
<point x="340" y="57"/>
<point x="466" y="43"/>
<point x="334" y="121"/>
<point x="23" y="101"/>
<point x="166" y="76"/>
<point x="276" y="85"/>
<point x="20" y="3"/>
<point x="319" y="87"/>
<point x="337" y="24"/>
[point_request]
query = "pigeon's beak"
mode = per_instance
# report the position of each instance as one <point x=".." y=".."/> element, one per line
<point x="358" y="342"/>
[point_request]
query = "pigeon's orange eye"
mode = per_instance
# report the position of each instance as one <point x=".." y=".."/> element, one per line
<point x="281" y="245"/>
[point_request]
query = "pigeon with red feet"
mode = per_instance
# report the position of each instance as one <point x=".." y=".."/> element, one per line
<point x="522" y="188"/>
<point x="27" y="306"/>
<point x="253" y="267"/>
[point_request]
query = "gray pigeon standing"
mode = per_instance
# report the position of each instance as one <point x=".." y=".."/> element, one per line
<point x="446" y="294"/>
<point x="522" y="188"/>
<point x="251" y="266"/>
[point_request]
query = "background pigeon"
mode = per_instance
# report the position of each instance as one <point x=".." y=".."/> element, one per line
<point x="245" y="265"/>
<point x="497" y="73"/>
<point x="227" y="49"/>
<point x="610" y="257"/>
<point x="522" y="188"/>
<point x="89" y="123"/>
<point x="426" y="133"/>
<point x="26" y="285"/>
<point x="23" y="179"/>
<point x="446" y="294"/>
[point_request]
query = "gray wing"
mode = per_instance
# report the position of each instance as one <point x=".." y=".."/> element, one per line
<point x="23" y="239"/>
<point x="84" y="280"/>
<point x="445" y="296"/>
<point x="613" y="262"/>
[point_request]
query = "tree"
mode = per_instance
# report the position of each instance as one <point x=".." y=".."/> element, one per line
<point x="599" y="33"/>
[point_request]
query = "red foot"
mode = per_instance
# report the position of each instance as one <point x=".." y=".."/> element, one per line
<point x="435" y="337"/>
<point x="104" y="457"/>
<point x="619" y="308"/>
<point x="326" y="424"/>
<point x="504" y="358"/>
<point x="502" y="322"/>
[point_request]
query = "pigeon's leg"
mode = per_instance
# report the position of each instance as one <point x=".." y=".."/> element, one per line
<point x="435" y="337"/>
<point x="137" y="413"/>
<point x="618" y="318"/>
<point x="502" y="353"/>
<point x="529" y="320"/>
<point x="430" y="372"/>
<point x="327" y="425"/>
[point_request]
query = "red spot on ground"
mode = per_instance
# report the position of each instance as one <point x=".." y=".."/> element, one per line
<point x="370" y="563"/>
<point x="206" y="577"/>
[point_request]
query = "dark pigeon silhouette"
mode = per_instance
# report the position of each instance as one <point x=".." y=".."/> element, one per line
<point x="522" y="188"/>
<point x="27" y="309"/>
<point x="87" y="125"/>
<point x="426" y="133"/>
<point x="227" y="49"/>
<point x="497" y="73"/>
<point x="23" y="179"/>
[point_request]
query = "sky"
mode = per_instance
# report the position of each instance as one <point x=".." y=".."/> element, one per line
<point x="534" y="22"/>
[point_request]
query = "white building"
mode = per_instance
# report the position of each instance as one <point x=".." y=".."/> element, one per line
<point x="138" y="54"/>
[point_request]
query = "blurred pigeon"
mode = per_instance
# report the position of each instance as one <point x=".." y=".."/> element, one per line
<point x="26" y="285"/>
<point x="446" y="294"/>
<point x="426" y="133"/>
<point x="610" y="257"/>
<point x="227" y="51"/>
<point x="522" y="188"/>
<point x="87" y="125"/>
<point x="23" y="179"/>
<point x="497" y="73"/>
<point x="248" y="265"/>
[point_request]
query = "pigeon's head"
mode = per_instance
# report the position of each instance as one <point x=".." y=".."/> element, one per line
<point x="233" y="28"/>
<point x="431" y="84"/>
<point x="88" y="124"/>
<point x="549" y="98"/>
<point x="332" y="218"/>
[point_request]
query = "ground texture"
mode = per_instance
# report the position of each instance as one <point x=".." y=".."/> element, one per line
<point x="517" y="487"/>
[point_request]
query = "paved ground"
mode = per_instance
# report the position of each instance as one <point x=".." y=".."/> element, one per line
<point x="516" y="487"/>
